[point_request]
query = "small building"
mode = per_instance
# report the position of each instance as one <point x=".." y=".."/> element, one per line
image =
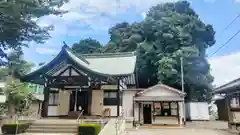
<point x="93" y="83"/>
<point x="159" y="105"/>
<point x="230" y="105"/>
<point x="103" y="84"/>
<point x="36" y="105"/>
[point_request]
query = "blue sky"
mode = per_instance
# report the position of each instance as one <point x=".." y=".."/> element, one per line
<point x="92" y="18"/>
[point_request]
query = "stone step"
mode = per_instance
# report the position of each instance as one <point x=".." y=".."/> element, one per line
<point x="54" y="126"/>
<point x="49" y="130"/>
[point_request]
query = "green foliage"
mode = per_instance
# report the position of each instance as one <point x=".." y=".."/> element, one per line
<point x="18" y="21"/>
<point x="41" y="63"/>
<point x="87" y="46"/>
<point x="88" y="128"/>
<point x="17" y="65"/>
<point x="18" y="94"/>
<point x="13" y="127"/>
<point x="170" y="31"/>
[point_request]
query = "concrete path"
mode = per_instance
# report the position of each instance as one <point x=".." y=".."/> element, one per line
<point x="180" y="131"/>
<point x="45" y="134"/>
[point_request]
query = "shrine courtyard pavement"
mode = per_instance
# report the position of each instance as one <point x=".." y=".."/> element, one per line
<point x="192" y="128"/>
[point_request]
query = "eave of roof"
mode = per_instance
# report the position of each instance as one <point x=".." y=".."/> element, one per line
<point x="228" y="87"/>
<point x="94" y="64"/>
<point x="163" y="86"/>
<point x="158" y="98"/>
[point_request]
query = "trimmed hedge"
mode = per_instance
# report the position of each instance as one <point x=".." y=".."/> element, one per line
<point x="89" y="129"/>
<point x="12" y="127"/>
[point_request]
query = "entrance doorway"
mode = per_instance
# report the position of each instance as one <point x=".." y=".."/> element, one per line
<point x="81" y="99"/>
<point x="147" y="113"/>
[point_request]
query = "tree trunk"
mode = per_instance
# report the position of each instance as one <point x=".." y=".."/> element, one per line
<point x="11" y="112"/>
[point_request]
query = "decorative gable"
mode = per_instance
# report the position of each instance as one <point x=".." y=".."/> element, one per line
<point x="161" y="90"/>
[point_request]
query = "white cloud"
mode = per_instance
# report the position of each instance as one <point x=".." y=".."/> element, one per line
<point x="143" y="15"/>
<point x="110" y="6"/>
<point x="95" y="14"/>
<point x="46" y="51"/>
<point x="225" y="68"/>
<point x="211" y="1"/>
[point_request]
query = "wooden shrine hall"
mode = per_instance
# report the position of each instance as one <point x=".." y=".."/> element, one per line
<point x="74" y="82"/>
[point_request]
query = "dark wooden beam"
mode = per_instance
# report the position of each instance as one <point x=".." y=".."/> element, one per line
<point x="136" y="79"/>
<point x="44" y="111"/>
<point x="133" y="112"/>
<point x="139" y="113"/>
<point x="61" y="85"/>
<point x="118" y="97"/>
<point x="178" y="113"/>
<point x="81" y="73"/>
<point x="70" y="71"/>
<point x="89" y="101"/>
<point x="62" y="72"/>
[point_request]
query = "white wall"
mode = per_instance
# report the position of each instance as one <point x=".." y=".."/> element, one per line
<point x="181" y="111"/>
<point x="159" y="92"/>
<point x="128" y="102"/>
<point x="113" y="109"/>
<point x="197" y="111"/>
<point x="136" y="111"/>
<point x="53" y="111"/>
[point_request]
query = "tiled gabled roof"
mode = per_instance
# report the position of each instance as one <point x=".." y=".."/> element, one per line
<point x="109" y="64"/>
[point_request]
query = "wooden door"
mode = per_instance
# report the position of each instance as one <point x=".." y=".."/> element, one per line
<point x="97" y="102"/>
<point x="147" y="113"/>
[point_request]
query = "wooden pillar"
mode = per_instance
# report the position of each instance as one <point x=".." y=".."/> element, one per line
<point x="139" y="112"/>
<point x="133" y="113"/>
<point x="118" y="97"/>
<point x="44" y="112"/>
<point x="227" y="98"/>
<point x="89" y="101"/>
<point x="178" y="114"/>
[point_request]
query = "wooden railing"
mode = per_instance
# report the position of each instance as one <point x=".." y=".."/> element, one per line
<point x="79" y="116"/>
<point x="120" y="124"/>
<point x="106" y="111"/>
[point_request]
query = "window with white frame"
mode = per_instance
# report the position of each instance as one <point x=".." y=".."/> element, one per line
<point x="53" y="98"/>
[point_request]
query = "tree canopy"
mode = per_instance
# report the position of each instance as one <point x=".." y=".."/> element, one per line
<point x="17" y="93"/>
<point x="87" y="46"/>
<point x="18" y="21"/>
<point x="169" y="31"/>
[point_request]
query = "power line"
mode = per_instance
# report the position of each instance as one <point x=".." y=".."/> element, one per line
<point x="228" y="26"/>
<point x="231" y="22"/>
<point x="226" y="42"/>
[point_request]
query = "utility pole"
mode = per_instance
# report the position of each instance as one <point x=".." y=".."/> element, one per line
<point x="182" y="82"/>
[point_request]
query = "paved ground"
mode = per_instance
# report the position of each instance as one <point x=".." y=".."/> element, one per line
<point x="182" y="131"/>
<point x="192" y="128"/>
<point x="43" y="134"/>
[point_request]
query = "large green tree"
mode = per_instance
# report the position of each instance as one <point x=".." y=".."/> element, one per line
<point x="18" y="94"/>
<point x="18" y="24"/>
<point x="87" y="46"/>
<point x="169" y="31"/>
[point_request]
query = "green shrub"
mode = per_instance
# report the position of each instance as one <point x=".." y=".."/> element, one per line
<point x="89" y="129"/>
<point x="12" y="127"/>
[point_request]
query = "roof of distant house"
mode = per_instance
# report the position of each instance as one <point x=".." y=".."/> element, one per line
<point x="228" y="87"/>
